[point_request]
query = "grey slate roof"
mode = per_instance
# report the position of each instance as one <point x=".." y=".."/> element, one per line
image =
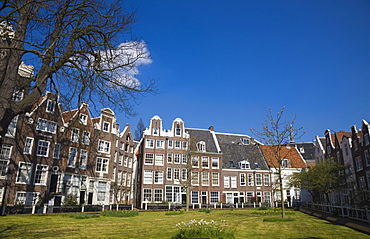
<point x="205" y="135"/>
<point x="309" y="150"/>
<point x="233" y="151"/>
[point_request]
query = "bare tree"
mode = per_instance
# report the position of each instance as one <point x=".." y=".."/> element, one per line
<point x="73" y="48"/>
<point x="277" y="133"/>
<point x="140" y="127"/>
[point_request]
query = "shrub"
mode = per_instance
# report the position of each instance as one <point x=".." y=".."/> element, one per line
<point x="206" y="210"/>
<point x="120" y="213"/>
<point x="79" y="215"/>
<point x="175" y="212"/>
<point x="202" y="229"/>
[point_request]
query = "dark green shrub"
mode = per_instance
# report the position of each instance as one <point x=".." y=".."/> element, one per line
<point x="120" y="213"/>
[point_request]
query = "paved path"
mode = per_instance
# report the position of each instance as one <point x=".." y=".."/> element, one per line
<point x="357" y="225"/>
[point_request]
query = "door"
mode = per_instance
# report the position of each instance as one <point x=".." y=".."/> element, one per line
<point x="53" y="183"/>
<point x="57" y="200"/>
<point x="90" y="198"/>
<point x="82" y="197"/>
<point x="204" y="197"/>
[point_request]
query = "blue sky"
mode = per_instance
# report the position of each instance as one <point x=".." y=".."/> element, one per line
<point x="224" y="63"/>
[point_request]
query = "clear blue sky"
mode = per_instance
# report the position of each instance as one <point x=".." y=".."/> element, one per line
<point x="226" y="62"/>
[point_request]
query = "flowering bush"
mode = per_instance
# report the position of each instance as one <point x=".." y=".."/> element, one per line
<point x="202" y="228"/>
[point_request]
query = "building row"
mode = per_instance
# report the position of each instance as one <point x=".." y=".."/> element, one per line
<point x="58" y="157"/>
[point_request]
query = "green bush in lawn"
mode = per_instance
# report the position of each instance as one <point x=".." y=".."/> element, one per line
<point x="202" y="229"/>
<point x="120" y="213"/>
<point x="206" y="210"/>
<point x="175" y="212"/>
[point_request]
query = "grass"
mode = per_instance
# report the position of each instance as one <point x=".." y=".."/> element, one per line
<point x="242" y="222"/>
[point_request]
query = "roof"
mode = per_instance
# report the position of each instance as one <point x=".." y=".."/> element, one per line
<point x="290" y="153"/>
<point x="306" y="149"/>
<point x="233" y="151"/>
<point x="198" y="135"/>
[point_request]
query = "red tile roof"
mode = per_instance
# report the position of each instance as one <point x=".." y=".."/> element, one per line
<point x="271" y="154"/>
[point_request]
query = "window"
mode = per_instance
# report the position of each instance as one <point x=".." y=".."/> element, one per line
<point x="104" y="146"/>
<point x="201" y="146"/>
<point x="194" y="178"/>
<point x="227" y="181"/>
<point x="178" y="130"/>
<point x="149" y="157"/>
<point x="72" y="157"/>
<point x="46" y="126"/>
<point x="169" y="158"/>
<point x="160" y="144"/>
<point x="56" y="153"/>
<point x="148" y="177"/>
<point x="26" y="198"/>
<point x="258" y="179"/>
<point x="158" y="195"/>
<point x="173" y="194"/>
<point x="184" y="145"/>
<point x="83" y="119"/>
<point x="176" y="174"/>
<point x="215" y="162"/>
<point x="102" y="165"/>
<point x="267" y="197"/>
<point x="149" y="143"/>
<point x="12" y="126"/>
<point x="242" y="179"/>
<point x="83" y="159"/>
<point x="155" y="131"/>
<point x="195" y="161"/>
<point x="170" y="144"/>
<point x="233" y="182"/>
<point x="266" y="180"/>
<point x="41" y="174"/>
<point x="245" y="141"/>
<point x="106" y="126"/>
<point x="159" y="159"/>
<point x="184" y="174"/>
<point x="169" y="173"/>
<point x="214" y="197"/>
<point x="147" y="194"/>
<point x="50" y="106"/>
<point x="24" y="172"/>
<point x="120" y="160"/>
<point x="367" y="157"/>
<point x="4" y="158"/>
<point x="158" y="177"/>
<point x="3" y="166"/>
<point x="205" y="178"/>
<point x="177" y="144"/>
<point x="244" y="164"/>
<point x="194" y="197"/>
<point x="86" y="138"/>
<point x="358" y="163"/>
<point x="177" y="158"/>
<point x="17" y="95"/>
<point x="250" y="179"/>
<point x="362" y="183"/>
<point x="205" y="162"/>
<point x="285" y="163"/>
<point x="301" y="150"/>
<point x="215" y="179"/>
<point x="75" y="135"/>
<point x="102" y="187"/>
<point x="43" y="148"/>
<point x="184" y="159"/>
<point x="249" y="196"/>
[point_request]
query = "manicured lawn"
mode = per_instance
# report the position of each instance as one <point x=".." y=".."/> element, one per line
<point x="247" y="223"/>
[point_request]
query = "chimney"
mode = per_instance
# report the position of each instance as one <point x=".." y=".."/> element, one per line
<point x="211" y="128"/>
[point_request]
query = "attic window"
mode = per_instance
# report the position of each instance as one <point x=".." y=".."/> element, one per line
<point x="106" y="127"/>
<point x="50" y="106"/>
<point x="155" y="131"/>
<point x="245" y="141"/>
<point x="301" y="150"/>
<point x="83" y="119"/>
<point x="178" y="130"/>
<point x="244" y="164"/>
<point x="232" y="165"/>
<point x="201" y="146"/>
<point x="285" y="163"/>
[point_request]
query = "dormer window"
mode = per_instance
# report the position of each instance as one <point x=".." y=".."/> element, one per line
<point x="201" y="146"/>
<point x="245" y="141"/>
<point x="285" y="163"/>
<point x="244" y="164"/>
<point x="301" y="150"/>
<point x="83" y="119"/>
<point x="50" y="106"/>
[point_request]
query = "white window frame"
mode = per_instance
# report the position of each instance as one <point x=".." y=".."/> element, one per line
<point x="104" y="146"/>
<point x="215" y="162"/>
<point x="215" y="179"/>
<point x="56" y="152"/>
<point x="86" y="137"/>
<point x="149" y="159"/>
<point x="50" y="106"/>
<point x="83" y="119"/>
<point x="160" y="144"/>
<point x="72" y="156"/>
<point x="24" y="177"/>
<point x="102" y="165"/>
<point x="226" y="181"/>
<point x="149" y="143"/>
<point x="243" y="179"/>
<point x="148" y="177"/>
<point x="41" y="174"/>
<point x="106" y="126"/>
<point x="158" y="177"/>
<point x="159" y="159"/>
<point x="83" y="158"/>
<point x="205" y="162"/>
<point x="75" y="135"/>
<point x="48" y="126"/>
<point x="43" y="144"/>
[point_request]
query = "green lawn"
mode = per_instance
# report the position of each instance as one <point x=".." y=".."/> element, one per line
<point x="246" y="223"/>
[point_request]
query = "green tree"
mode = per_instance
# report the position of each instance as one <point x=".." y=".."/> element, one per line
<point x="277" y="133"/>
<point x="80" y="49"/>
<point x="324" y="178"/>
